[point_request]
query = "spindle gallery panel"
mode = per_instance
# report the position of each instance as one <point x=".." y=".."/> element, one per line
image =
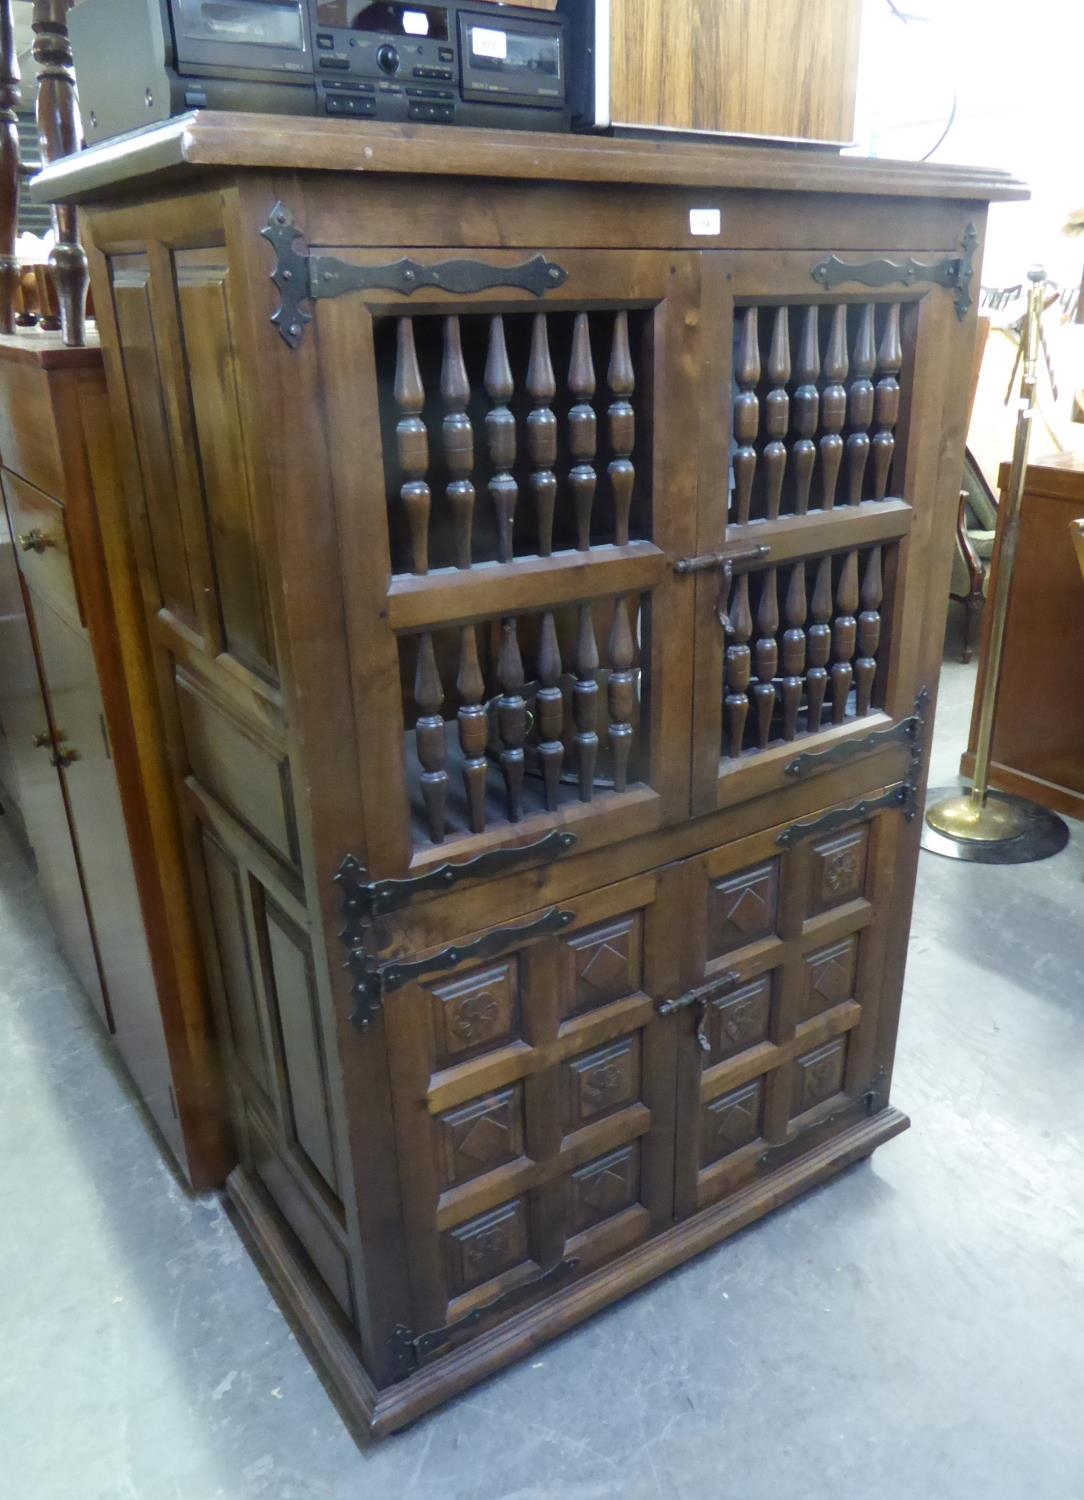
<point x="532" y="1094"/>
<point x="788" y="928"/>
<point x="823" y="406"/>
<point x="529" y="487"/>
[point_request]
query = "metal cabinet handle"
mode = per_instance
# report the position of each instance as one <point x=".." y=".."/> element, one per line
<point x="64" y="756"/>
<point x="42" y="738"/>
<point x="701" y="997"/>
<point x="726" y="562"/>
<point x="35" y="540"/>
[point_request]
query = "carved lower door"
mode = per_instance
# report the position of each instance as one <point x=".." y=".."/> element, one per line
<point x="534" y="1097"/>
<point x="778" y="1043"/>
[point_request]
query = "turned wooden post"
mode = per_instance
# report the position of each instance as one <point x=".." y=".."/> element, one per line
<point x="60" y="132"/>
<point x="9" y="169"/>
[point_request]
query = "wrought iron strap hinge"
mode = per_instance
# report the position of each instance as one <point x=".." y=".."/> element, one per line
<point x="373" y="979"/>
<point x="902" y="795"/>
<point x="301" y="276"/>
<point x="409" y="1349"/>
<point x="954" y="272"/>
<point x="911" y="730"/>
<point x="373" y="898"/>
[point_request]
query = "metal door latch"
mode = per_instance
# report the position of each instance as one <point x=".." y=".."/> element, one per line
<point x="701" y="997"/>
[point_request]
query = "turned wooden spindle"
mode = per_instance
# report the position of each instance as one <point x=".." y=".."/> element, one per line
<point x="794" y="610"/>
<point x="746" y="415"/>
<point x="458" y="437"/>
<point x="550" y="709"/>
<point x="60" y="132"/>
<point x="739" y="629"/>
<point x="412" y="445"/>
<point x="10" y="95"/>
<point x="806" y="411"/>
<point x="860" y="406"/>
<point x="819" y="643"/>
<point x="833" y="407"/>
<point x="777" y="413"/>
<point x="511" y="717"/>
<point x="585" y="702"/>
<point x="844" y="628"/>
<point x="621" y="691"/>
<point x="501" y="436"/>
<point x="869" y="632"/>
<point x="582" y="430"/>
<point x="889" y="360"/>
<point x="542" y="433"/>
<point x="473" y="724"/>
<point x="622" y="423"/>
<point x="429" y="737"/>
<point x="766" y="656"/>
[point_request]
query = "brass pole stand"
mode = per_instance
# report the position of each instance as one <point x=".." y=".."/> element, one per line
<point x="982" y="826"/>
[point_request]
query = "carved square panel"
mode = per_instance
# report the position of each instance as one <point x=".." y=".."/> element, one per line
<point x="740" y="1019"/>
<point x="481" y="1135"/>
<point x="476" y="1010"/>
<point x="602" y="1081"/>
<point x="829" y="975"/>
<point x="603" y="1188"/>
<point x="742" y="908"/>
<point x="484" y="1247"/>
<point x="731" y="1121"/>
<point x="605" y="963"/>
<point x="819" y="1075"/>
<point x="838" y="869"/>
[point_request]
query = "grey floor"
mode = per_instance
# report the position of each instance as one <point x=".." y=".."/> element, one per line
<point x="913" y="1331"/>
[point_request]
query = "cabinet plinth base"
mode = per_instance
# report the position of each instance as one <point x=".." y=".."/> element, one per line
<point x="383" y="1411"/>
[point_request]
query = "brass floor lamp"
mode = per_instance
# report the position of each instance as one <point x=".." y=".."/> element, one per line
<point x="984" y="826"/>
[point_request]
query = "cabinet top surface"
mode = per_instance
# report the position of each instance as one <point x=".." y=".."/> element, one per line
<point x="206" y="140"/>
<point x="32" y="346"/>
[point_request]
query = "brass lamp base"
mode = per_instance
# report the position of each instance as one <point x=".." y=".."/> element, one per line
<point x="1004" y="830"/>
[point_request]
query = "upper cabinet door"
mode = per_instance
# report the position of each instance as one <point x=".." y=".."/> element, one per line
<point x="817" y="492"/>
<point x="515" y="478"/>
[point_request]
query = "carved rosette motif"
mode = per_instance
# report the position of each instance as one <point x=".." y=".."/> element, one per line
<point x="841" y="872"/>
<point x="474" y="1017"/>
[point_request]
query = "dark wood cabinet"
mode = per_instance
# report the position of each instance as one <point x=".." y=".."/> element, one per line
<point x="546" y="612"/>
<point x="84" y="739"/>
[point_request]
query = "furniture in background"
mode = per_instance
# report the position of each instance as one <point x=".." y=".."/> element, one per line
<point x="86" y="764"/>
<point x="552" y="815"/>
<point x="1038" y="744"/>
<point x="976" y="524"/>
<point x="751" y="67"/>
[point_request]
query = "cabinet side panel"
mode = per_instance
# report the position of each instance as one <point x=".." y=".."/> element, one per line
<point x="204" y="313"/>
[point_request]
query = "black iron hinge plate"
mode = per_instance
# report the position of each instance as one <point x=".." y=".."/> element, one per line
<point x="955" y="272"/>
<point x="911" y="730"/>
<point x="303" y="277"/>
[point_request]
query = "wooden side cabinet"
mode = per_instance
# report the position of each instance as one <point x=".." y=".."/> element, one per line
<point x="84" y="739"/>
<point x="546" y="610"/>
<point x="1038" y="744"/>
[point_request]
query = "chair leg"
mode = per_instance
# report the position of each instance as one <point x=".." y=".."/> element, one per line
<point x="972" y="623"/>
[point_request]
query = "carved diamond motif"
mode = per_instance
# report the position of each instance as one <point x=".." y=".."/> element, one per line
<point x="732" y="1122"/>
<point x="485" y="1140"/>
<point x="605" y="968"/>
<point x="606" y="1190"/>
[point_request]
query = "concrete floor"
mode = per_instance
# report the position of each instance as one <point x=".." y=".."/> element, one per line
<point x="912" y="1331"/>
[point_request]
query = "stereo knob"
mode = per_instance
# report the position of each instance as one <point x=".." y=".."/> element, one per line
<point x="387" y="58"/>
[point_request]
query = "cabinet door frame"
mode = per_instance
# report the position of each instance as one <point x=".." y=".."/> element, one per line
<point x="900" y="527"/>
<point x="379" y="606"/>
<point x="552" y="1049"/>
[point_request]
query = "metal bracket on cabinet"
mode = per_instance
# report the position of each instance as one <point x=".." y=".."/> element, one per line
<point x="373" y="898"/>
<point x="301" y="276"/>
<point x="910" y="730"/>
<point x="868" y="1103"/>
<point x="902" y="795"/>
<point x="374" y="979"/>
<point x="409" y="1349"/>
<point x="954" y="272"/>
